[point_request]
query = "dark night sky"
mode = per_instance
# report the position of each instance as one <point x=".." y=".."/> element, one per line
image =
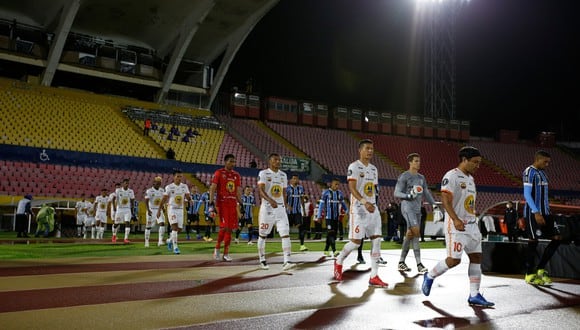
<point x="517" y="66"/>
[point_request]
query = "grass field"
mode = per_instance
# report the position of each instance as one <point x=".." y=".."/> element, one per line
<point x="38" y="248"/>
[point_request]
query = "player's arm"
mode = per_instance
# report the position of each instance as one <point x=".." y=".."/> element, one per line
<point x="447" y="201"/>
<point x="264" y="195"/>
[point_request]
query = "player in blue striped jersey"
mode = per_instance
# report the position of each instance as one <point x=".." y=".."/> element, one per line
<point x="247" y="214"/>
<point x="539" y="223"/>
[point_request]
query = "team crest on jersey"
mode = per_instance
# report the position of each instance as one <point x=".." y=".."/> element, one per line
<point x="362" y="174"/>
<point x="463" y="185"/>
<point x="276" y="191"/>
<point x="469" y="204"/>
<point x="230" y="186"/>
<point x="268" y="179"/>
<point x="369" y="189"/>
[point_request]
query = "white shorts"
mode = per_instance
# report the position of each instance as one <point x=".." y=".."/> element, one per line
<point x="89" y="221"/>
<point x="175" y="217"/>
<point x="122" y="216"/>
<point x="268" y="217"/>
<point x="102" y="217"/>
<point x="364" y="224"/>
<point x="456" y="243"/>
<point x="81" y="219"/>
<point x="153" y="219"/>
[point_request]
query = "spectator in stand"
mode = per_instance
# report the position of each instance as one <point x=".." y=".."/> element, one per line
<point x="147" y="127"/>
<point x="170" y="153"/>
<point x="162" y="130"/>
<point x="23" y="211"/>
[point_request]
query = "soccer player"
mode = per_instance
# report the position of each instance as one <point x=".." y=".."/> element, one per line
<point x="122" y="201"/>
<point x="247" y="211"/>
<point x="81" y="206"/>
<point x="539" y="224"/>
<point x="365" y="219"/>
<point x="153" y="198"/>
<point x="331" y="206"/>
<point x="411" y="188"/>
<point x="175" y="195"/>
<point x="193" y="213"/>
<point x="226" y="188"/>
<point x="458" y="194"/>
<point x="209" y="213"/>
<point x="101" y="203"/>
<point x="272" y="183"/>
<point x="294" y="193"/>
<point x="90" y="220"/>
<point x="111" y="208"/>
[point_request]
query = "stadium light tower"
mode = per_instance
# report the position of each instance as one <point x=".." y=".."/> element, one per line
<point x="439" y="56"/>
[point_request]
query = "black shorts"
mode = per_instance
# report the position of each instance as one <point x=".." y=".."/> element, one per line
<point x="332" y="224"/>
<point x="294" y="219"/>
<point x="245" y="222"/>
<point x="191" y="217"/>
<point x="546" y="231"/>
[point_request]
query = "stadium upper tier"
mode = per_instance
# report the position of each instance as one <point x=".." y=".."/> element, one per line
<point x="57" y="119"/>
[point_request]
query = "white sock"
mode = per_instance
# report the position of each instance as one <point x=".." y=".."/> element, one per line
<point x="286" y="248"/>
<point x="127" y="231"/>
<point x="174" y="238"/>
<point x="161" y="233"/>
<point x="262" y="248"/>
<point x="474" y="273"/>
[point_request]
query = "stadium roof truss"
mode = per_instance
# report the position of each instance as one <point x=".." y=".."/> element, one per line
<point x="178" y="31"/>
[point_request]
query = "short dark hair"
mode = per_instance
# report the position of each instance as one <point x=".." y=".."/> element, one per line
<point x="364" y="141"/>
<point x="273" y="155"/>
<point x="543" y="153"/>
<point x="412" y="155"/>
<point x="468" y="152"/>
<point x="228" y="157"/>
<point x="176" y="172"/>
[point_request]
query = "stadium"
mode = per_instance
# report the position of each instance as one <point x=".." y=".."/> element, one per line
<point x="79" y="79"/>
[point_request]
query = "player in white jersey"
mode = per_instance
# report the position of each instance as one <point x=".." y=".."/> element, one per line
<point x="123" y="208"/>
<point x="81" y="207"/>
<point x="90" y="220"/>
<point x="365" y="218"/>
<point x="111" y="208"/>
<point x="153" y="198"/>
<point x="272" y="183"/>
<point x="458" y="194"/>
<point x="101" y="203"/>
<point x="175" y="195"/>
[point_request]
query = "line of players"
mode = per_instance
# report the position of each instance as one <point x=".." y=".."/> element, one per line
<point x="120" y="206"/>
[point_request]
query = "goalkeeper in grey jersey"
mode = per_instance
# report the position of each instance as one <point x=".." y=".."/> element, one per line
<point x="411" y="187"/>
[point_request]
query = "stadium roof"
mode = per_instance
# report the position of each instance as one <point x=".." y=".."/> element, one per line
<point x="202" y="31"/>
